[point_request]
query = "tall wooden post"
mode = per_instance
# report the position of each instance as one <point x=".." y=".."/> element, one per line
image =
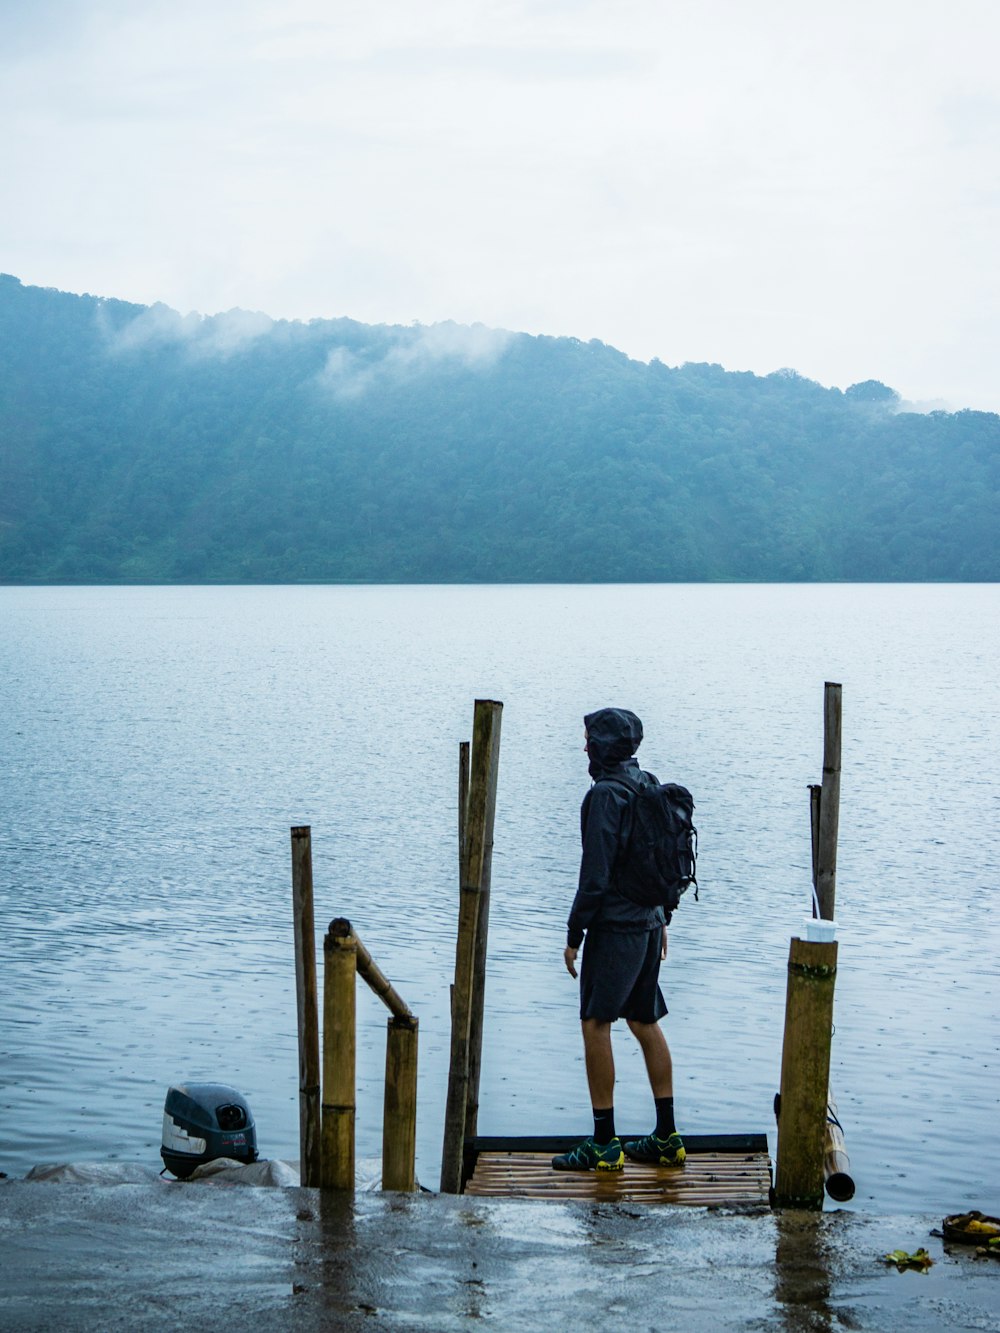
<point x="463" y="803"/>
<point x="810" y="1139"/>
<point x="306" y="1004"/>
<point x="805" y="1074"/>
<point x="829" y="807"/>
<point x="815" y="797"/>
<point x="339" y="1054"/>
<point x="468" y="990"/>
<point x="482" y="935"/>
<point x="399" y="1120"/>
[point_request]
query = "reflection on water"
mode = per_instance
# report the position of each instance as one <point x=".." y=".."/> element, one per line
<point x="802" y="1274"/>
<point x="326" y="1268"/>
<point x="156" y="745"/>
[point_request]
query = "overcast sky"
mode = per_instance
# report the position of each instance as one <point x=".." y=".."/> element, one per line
<point x="761" y="183"/>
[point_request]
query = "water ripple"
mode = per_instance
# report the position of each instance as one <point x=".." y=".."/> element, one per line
<point x="156" y="745"/>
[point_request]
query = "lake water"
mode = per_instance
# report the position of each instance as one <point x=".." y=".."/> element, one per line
<point x="156" y="744"/>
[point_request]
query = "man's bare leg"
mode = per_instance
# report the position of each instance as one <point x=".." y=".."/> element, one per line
<point x="600" y="1062"/>
<point x="656" y="1053"/>
<point x="664" y="1146"/>
<point x="602" y="1152"/>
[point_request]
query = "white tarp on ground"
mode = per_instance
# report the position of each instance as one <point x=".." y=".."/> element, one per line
<point x="223" y="1171"/>
<point x="94" y="1173"/>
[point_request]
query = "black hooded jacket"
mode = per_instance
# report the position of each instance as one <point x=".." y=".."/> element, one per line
<point x="613" y="736"/>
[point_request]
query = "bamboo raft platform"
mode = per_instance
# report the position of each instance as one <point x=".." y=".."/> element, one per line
<point x="720" y="1169"/>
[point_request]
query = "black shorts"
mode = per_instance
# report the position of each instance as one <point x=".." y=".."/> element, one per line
<point x="619" y="976"/>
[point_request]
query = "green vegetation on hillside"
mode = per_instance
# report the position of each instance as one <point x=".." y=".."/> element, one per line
<point x="140" y="446"/>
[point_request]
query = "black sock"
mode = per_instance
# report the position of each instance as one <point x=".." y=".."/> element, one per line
<point x="604" y="1125"/>
<point x="665" y="1117"/>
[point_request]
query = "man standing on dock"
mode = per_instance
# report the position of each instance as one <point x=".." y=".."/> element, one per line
<point x="625" y="944"/>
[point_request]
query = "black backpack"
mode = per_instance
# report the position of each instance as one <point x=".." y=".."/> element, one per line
<point x="658" y="861"/>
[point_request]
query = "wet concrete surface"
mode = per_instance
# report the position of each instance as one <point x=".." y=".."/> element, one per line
<point x="166" y="1256"/>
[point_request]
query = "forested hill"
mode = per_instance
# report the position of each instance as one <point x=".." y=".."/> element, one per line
<point x="140" y="446"/>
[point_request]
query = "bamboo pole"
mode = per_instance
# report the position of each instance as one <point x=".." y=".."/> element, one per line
<point x="482" y="937"/>
<point x="399" y="1120"/>
<point x="464" y="749"/>
<point x="829" y="811"/>
<point x="339" y="1054"/>
<point x="370" y="972"/>
<point x="836" y="1163"/>
<point x="463" y="803"/>
<point x="815" y="799"/>
<point x="467" y="996"/>
<point x="805" y="1074"/>
<point x="307" y="1008"/>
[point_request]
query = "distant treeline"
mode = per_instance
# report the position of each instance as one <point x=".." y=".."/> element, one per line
<point x="140" y="446"/>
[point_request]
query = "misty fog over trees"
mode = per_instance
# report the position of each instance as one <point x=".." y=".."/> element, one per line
<point x="137" y="445"/>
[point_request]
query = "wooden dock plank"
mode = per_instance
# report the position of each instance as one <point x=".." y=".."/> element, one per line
<point x="711" y="1177"/>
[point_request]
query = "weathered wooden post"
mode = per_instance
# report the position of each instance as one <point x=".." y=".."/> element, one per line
<point x="836" y="1163"/>
<point x="812" y="970"/>
<point x="339" y="1054"/>
<point x="463" y="803"/>
<point x="815" y="797"/>
<point x="464" y="752"/>
<point x="473" y="918"/>
<point x="805" y="1074"/>
<point x="399" y="1118"/>
<point x="307" y="1007"/>
<point x="829" y="805"/>
<point x="482" y="939"/>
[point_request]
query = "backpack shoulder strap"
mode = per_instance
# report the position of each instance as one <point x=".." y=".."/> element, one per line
<point x="632" y="790"/>
<point x="620" y="780"/>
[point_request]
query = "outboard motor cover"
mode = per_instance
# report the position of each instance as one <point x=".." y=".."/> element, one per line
<point x="203" y="1121"/>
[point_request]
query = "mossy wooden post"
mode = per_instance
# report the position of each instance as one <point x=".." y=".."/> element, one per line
<point x="829" y="806"/>
<point x="307" y="1006"/>
<point x="473" y="916"/>
<point x="805" y="1074"/>
<point x="399" y="1119"/>
<point x="339" y="1054"/>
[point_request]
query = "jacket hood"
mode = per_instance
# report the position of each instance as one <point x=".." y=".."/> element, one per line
<point x="613" y="735"/>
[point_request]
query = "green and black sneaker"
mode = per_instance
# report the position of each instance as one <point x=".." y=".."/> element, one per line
<point x="591" y="1156"/>
<point x="660" y="1152"/>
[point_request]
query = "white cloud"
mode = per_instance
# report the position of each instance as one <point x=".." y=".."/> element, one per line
<point x="925" y="408"/>
<point x="222" y="335"/>
<point x="155" y="327"/>
<point x="217" y="335"/>
<point x="757" y="185"/>
<point x="349" y="374"/>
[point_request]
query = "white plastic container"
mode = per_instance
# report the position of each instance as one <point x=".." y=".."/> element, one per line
<point x="819" y="930"/>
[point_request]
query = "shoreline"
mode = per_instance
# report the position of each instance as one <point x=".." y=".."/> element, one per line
<point x="81" y="1257"/>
